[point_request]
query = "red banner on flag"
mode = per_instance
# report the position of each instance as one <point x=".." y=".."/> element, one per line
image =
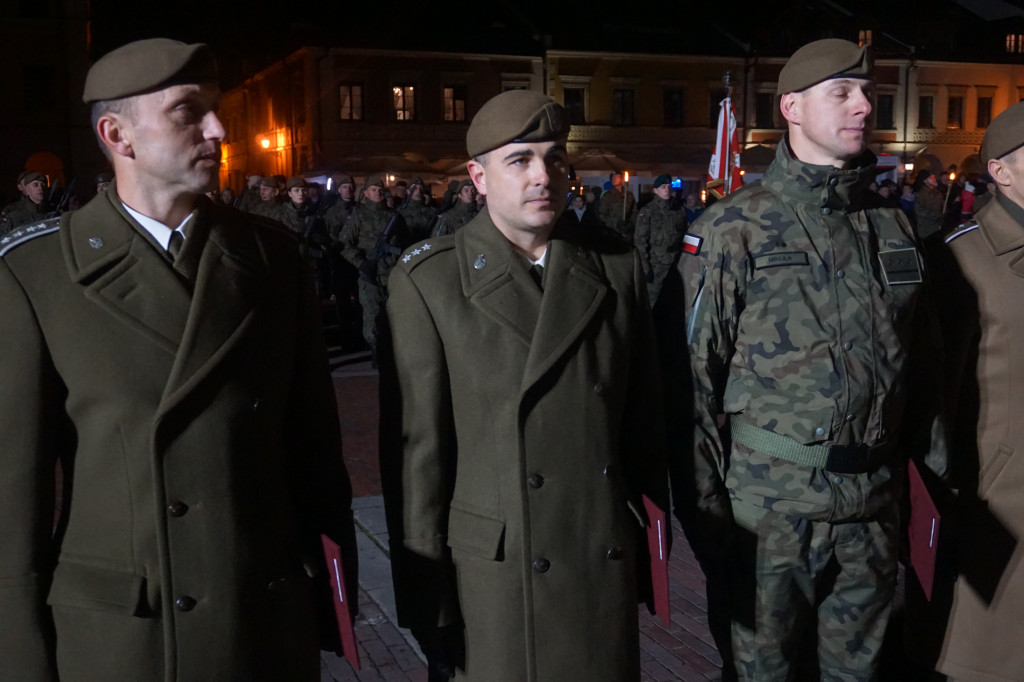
<point x="724" y="172"/>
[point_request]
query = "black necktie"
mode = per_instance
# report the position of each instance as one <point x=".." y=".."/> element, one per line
<point x="174" y="246"/>
<point x="537" y="273"/>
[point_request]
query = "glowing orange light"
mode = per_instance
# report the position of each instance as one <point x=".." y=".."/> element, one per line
<point x="625" y="176"/>
<point x="952" y="176"/>
<point x="265" y="143"/>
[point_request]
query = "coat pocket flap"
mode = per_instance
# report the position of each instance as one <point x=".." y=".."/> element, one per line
<point x="93" y="587"/>
<point x="475" y="534"/>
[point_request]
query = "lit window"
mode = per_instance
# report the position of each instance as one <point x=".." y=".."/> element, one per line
<point x="1015" y="43"/>
<point x="864" y="38"/>
<point x="351" y="102"/>
<point x="454" y="102"/>
<point x="405" y="102"/>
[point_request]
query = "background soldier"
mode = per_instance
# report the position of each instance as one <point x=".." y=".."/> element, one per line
<point x="418" y="216"/>
<point x="269" y="203"/>
<point x="928" y="205"/>
<point x="251" y="195"/>
<point x="613" y="215"/>
<point x="371" y="240"/>
<point x="659" y="234"/>
<point x="342" y="206"/>
<point x="452" y="220"/>
<point x="519" y="424"/>
<point x="31" y="207"/>
<point x="804" y="308"/>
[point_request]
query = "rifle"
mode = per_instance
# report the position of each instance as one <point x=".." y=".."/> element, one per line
<point x="64" y="198"/>
<point x="384" y="245"/>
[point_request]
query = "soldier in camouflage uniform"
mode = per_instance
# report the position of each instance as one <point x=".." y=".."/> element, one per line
<point x="659" y="233"/>
<point x="342" y="206"/>
<point x="461" y="213"/>
<point x="251" y="195"/>
<point x="297" y="214"/>
<point x="612" y="213"/>
<point x="31" y="207"/>
<point x="803" y="299"/>
<point x="359" y="239"/>
<point x="269" y="203"/>
<point x="417" y="215"/>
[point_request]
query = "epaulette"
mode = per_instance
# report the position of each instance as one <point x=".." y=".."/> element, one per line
<point x="420" y="252"/>
<point x="24" y="233"/>
<point x="962" y="229"/>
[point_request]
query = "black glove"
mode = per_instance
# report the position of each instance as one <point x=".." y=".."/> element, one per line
<point x="445" y="649"/>
<point x="368" y="269"/>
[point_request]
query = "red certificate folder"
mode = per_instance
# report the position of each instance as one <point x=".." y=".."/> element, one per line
<point x="332" y="553"/>
<point x="657" y="543"/>
<point x="923" y="530"/>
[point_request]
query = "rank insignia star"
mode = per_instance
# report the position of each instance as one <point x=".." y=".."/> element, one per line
<point x="406" y="258"/>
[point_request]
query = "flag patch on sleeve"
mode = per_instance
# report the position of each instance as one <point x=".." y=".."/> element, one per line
<point x="691" y="244"/>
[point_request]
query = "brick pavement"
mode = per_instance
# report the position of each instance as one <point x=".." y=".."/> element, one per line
<point x="682" y="651"/>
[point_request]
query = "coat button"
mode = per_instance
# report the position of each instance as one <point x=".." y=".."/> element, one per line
<point x="614" y="554"/>
<point x="847" y="346"/>
<point x="185" y="603"/>
<point x="837" y="480"/>
<point x="840" y="273"/>
<point x="535" y="480"/>
<point x="541" y="565"/>
<point x="275" y="585"/>
<point x="600" y="388"/>
<point x="819" y="431"/>
<point x="826" y="211"/>
<point x="177" y="509"/>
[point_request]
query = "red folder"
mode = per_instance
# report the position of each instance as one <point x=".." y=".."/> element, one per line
<point x="923" y="530"/>
<point x="332" y="553"/>
<point x="657" y="544"/>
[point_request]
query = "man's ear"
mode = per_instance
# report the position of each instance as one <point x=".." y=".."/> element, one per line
<point x="998" y="172"/>
<point x="478" y="176"/>
<point x="115" y="135"/>
<point x="789" y="105"/>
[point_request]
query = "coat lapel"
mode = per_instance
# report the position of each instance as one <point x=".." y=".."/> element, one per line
<point x="123" y="270"/>
<point x="495" y="278"/>
<point x="228" y="287"/>
<point x="573" y="291"/>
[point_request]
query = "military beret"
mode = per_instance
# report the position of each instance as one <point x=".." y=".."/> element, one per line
<point x="823" y="60"/>
<point x="416" y="181"/>
<point x="401" y="183"/>
<point x="269" y="181"/>
<point x="464" y="184"/>
<point x="342" y="179"/>
<point x="614" y="173"/>
<point x="1004" y="135"/>
<point x="28" y="176"/>
<point x="148" y="65"/>
<point x="515" y="116"/>
<point x="663" y="179"/>
<point x="296" y="181"/>
<point x="375" y="182"/>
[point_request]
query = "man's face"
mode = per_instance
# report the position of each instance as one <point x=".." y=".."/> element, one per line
<point x="297" y="195"/>
<point x="267" y="192"/>
<point x="663" y="192"/>
<point x="347" y="191"/>
<point x="884" y="191"/>
<point x="175" y="138"/>
<point x="415" y="193"/>
<point x="398" y="191"/>
<point x="828" y="121"/>
<point x="617" y="180"/>
<point x="34" y="190"/>
<point x="691" y="200"/>
<point x="525" y="184"/>
<point x="467" y="194"/>
<point x="374" y="193"/>
<point x="102" y="187"/>
<point x="578" y="202"/>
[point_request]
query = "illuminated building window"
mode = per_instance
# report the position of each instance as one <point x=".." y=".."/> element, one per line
<point x="1015" y="43"/>
<point x="405" y="102"/>
<point x="955" y="120"/>
<point x="351" y="101"/>
<point x="624" y="107"/>
<point x="454" y="102"/>
<point x="864" y="38"/>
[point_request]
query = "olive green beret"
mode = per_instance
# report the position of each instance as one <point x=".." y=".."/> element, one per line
<point x="663" y="179"/>
<point x="463" y="185"/>
<point x="416" y="181"/>
<point x="823" y="60"/>
<point x="375" y="182"/>
<point x="269" y="181"/>
<point x="342" y="179"/>
<point x="515" y="116"/>
<point x="1004" y="135"/>
<point x="296" y="181"/>
<point x="148" y="65"/>
<point x="30" y="176"/>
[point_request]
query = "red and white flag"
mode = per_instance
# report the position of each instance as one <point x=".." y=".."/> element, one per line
<point x="724" y="171"/>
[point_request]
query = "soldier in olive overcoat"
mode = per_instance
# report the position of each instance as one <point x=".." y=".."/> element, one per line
<point x="184" y="388"/>
<point x="519" y="424"/>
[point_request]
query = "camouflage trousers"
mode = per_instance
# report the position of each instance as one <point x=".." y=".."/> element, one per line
<point x="792" y="573"/>
<point x="371" y="298"/>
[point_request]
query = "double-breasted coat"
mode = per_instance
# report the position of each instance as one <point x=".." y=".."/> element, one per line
<point x="978" y="598"/>
<point x="195" y="421"/>
<point x="518" y="434"/>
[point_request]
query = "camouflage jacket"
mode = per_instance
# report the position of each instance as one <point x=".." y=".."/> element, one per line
<point x="659" y="229"/>
<point x="362" y="231"/>
<point x="611" y="212"/>
<point x="337" y="215"/>
<point x="418" y="218"/>
<point x="22" y="212"/>
<point x="800" y="316"/>
<point x="454" y="218"/>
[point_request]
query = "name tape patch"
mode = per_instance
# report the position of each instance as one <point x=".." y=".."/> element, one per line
<point x="900" y="266"/>
<point x="774" y="260"/>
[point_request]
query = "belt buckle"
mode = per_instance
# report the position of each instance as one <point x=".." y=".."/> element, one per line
<point x="848" y="459"/>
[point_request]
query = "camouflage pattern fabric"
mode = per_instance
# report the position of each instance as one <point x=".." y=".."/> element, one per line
<point x="928" y="208"/>
<point x="418" y="217"/>
<point x="22" y="212"/>
<point x="788" y="557"/>
<point x="452" y="220"/>
<point x="611" y="212"/>
<point x="659" y="231"/>
<point x="336" y="216"/>
<point x="801" y="306"/>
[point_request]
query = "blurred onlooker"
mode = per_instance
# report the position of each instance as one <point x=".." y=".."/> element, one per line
<point x="887" y="191"/>
<point x="103" y="181"/>
<point x="693" y="208"/>
<point x="928" y="204"/>
<point x="907" y="202"/>
<point x="967" y="199"/>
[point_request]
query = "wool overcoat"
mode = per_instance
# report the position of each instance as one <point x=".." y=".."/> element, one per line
<point x="196" y="425"/>
<point x="518" y="433"/>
